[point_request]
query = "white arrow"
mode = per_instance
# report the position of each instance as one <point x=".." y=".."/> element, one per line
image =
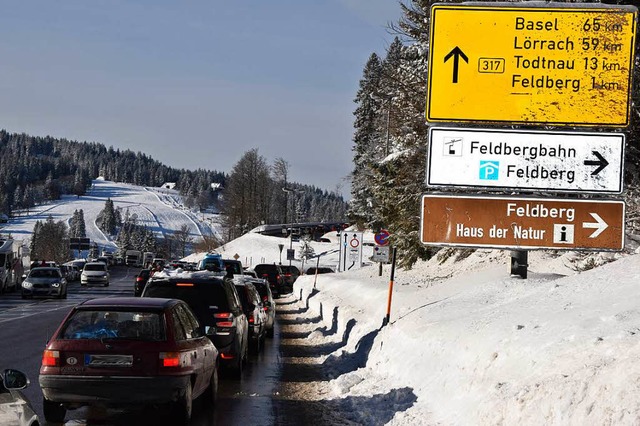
<point x="599" y="226"/>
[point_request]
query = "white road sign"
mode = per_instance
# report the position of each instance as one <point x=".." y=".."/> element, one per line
<point x="516" y="159"/>
<point x="350" y="251"/>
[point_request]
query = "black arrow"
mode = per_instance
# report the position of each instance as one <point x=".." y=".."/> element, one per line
<point x="600" y="162"/>
<point x="456" y="53"/>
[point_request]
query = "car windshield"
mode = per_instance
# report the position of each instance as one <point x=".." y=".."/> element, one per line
<point x="101" y="324"/>
<point x="44" y="273"/>
<point x="95" y="267"/>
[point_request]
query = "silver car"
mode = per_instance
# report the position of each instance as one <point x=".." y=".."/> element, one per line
<point x="95" y="273"/>
<point x="15" y="409"/>
<point x="45" y="281"/>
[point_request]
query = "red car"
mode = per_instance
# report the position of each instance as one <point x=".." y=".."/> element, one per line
<point x="128" y="351"/>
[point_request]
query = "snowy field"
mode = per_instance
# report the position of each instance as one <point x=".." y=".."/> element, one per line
<point x="159" y="209"/>
<point x="467" y="343"/>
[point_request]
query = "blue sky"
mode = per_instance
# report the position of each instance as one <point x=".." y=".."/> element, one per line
<point x="195" y="83"/>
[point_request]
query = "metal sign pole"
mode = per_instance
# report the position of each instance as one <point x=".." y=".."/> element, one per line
<point x="393" y="270"/>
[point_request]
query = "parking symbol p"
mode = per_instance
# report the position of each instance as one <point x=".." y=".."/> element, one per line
<point x="489" y="170"/>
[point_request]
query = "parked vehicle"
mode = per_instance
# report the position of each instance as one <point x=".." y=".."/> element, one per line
<point x="147" y="259"/>
<point x="128" y="351"/>
<point x="44" y="282"/>
<point x="320" y="270"/>
<point x="233" y="267"/>
<point x="133" y="258"/>
<point x="217" y="305"/>
<point x="72" y="271"/>
<point x="253" y="309"/>
<point x="291" y="274"/>
<point x="272" y="273"/>
<point x="268" y="305"/>
<point x="141" y="281"/>
<point x="95" y="273"/>
<point x="11" y="269"/>
<point x="15" y="408"/>
<point x="211" y="262"/>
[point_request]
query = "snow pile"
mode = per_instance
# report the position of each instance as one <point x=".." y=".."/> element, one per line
<point x="480" y="347"/>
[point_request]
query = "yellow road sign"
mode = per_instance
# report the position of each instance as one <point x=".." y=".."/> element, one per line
<point x="565" y="65"/>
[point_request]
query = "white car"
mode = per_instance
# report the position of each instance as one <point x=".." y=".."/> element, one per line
<point x="95" y="273"/>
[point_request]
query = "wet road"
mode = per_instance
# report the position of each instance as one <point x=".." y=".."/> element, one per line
<point x="25" y="326"/>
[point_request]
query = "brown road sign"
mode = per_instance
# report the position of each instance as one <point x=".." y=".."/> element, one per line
<point x="522" y="223"/>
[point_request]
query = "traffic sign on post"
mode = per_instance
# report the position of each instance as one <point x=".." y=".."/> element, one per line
<point x="531" y="64"/>
<point x="526" y="160"/>
<point x="522" y="223"/>
<point x="382" y="237"/>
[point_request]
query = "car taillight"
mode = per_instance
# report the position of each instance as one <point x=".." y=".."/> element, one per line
<point x="170" y="359"/>
<point x="265" y="308"/>
<point x="224" y="319"/>
<point x="139" y="279"/>
<point x="51" y="358"/>
<point x="251" y="319"/>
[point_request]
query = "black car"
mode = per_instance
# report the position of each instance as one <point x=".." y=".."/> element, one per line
<point x="268" y="304"/>
<point x="45" y="281"/>
<point x="253" y="309"/>
<point x="217" y="306"/>
<point x="291" y="274"/>
<point x="141" y="281"/>
<point x="272" y="273"/>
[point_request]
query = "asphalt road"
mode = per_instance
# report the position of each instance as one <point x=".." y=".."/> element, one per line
<point x="25" y="326"/>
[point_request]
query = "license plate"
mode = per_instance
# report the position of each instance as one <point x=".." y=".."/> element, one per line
<point x="108" y="360"/>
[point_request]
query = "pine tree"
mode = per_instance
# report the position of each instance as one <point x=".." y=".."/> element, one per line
<point x="366" y="132"/>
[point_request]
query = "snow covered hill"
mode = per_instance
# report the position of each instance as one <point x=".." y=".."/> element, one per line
<point x="161" y="210"/>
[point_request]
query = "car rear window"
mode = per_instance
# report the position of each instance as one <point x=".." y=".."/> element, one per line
<point x="204" y="298"/>
<point x="102" y="324"/>
<point x="233" y="267"/>
<point x="95" y="267"/>
<point x="266" y="269"/>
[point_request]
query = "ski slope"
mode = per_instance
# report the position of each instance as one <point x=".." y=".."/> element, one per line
<point x="159" y="209"/>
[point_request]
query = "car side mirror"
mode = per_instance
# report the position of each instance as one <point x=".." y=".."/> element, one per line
<point x="14" y="379"/>
<point x="209" y="330"/>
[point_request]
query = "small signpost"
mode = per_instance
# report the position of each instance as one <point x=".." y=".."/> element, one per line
<point x="531" y="64"/>
<point x="523" y="222"/>
<point x="350" y="251"/>
<point x="520" y="159"/>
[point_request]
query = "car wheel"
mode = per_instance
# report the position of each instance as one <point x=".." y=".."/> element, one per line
<point x="181" y="409"/>
<point x="53" y="411"/>
<point x="106" y="284"/>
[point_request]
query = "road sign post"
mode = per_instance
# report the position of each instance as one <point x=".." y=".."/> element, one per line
<point x="531" y="64"/>
<point x="526" y="160"/>
<point x="522" y="223"/>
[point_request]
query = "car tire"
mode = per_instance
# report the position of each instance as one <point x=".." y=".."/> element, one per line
<point x="106" y="284"/>
<point x="53" y="411"/>
<point x="182" y="408"/>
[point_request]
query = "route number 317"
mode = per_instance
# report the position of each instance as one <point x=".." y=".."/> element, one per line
<point x="491" y="65"/>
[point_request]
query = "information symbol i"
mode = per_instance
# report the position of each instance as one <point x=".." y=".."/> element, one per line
<point x="563" y="233"/>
